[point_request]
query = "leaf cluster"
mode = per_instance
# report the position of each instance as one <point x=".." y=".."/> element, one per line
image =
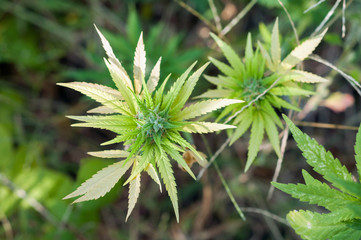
<point x="146" y="120"/>
<point x="342" y="197"/>
<point x="262" y="79"/>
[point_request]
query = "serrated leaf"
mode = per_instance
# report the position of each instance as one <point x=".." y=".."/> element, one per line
<point x="249" y="48"/>
<point x="302" y="51"/>
<point x="153" y="174"/>
<point x="102" y="94"/>
<point x="118" y="68"/>
<point x="178" y="158"/>
<point x="218" y="93"/>
<point x="145" y="159"/>
<point x="110" y="154"/>
<point x="154" y="77"/>
<point x="102" y="110"/>
<point x="222" y="81"/>
<point x="267" y="57"/>
<point x="134" y="190"/>
<point x="257" y="132"/>
<point x="311" y="225"/>
<point x="228" y="52"/>
<point x="282" y="103"/>
<point x="316" y="156"/>
<point x="187" y="89"/>
<point x="316" y="192"/>
<point x="224" y="68"/>
<point x="352" y="188"/>
<point x="100" y="183"/>
<point x="275" y="45"/>
<point x="205" y="127"/>
<point x="303" y="76"/>
<point x="139" y="65"/>
<point x="203" y="107"/>
<point x="166" y="172"/>
<point x="290" y="91"/>
<point x="272" y="133"/>
<point x="243" y="126"/>
<point x="123" y="88"/>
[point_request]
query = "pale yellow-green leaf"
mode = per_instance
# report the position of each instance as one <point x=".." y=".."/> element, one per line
<point x="101" y="182"/>
<point x="134" y="190"/>
<point x="205" y="127"/>
<point x="275" y="45"/>
<point x="302" y="51"/>
<point x="245" y="123"/>
<point x="154" y="77"/>
<point x="166" y="172"/>
<point x="303" y="76"/>
<point x="204" y="107"/>
<point x="201" y="160"/>
<point x="110" y="154"/>
<point x="123" y="88"/>
<point x="139" y="64"/>
<point x="217" y="93"/>
<point x="112" y="59"/>
<point x="222" y="81"/>
<point x="104" y="95"/>
<point x="267" y="57"/>
<point x="102" y="110"/>
<point x="153" y="174"/>
<point x="290" y="91"/>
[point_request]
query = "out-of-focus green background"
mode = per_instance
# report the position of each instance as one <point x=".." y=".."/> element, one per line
<point x="42" y="159"/>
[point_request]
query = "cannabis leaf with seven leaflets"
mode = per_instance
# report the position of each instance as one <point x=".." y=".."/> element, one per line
<point x="146" y="119"/>
<point x="248" y="79"/>
<point x="343" y="200"/>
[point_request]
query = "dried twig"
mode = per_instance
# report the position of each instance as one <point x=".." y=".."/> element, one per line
<point x="217" y="20"/>
<point x="324" y="21"/>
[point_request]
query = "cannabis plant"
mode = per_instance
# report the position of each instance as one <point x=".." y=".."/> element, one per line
<point x="147" y="121"/>
<point x="260" y="79"/>
<point x="342" y="198"/>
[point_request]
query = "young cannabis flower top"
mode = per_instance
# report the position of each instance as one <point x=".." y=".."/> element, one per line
<point x="261" y="80"/>
<point x="146" y="119"/>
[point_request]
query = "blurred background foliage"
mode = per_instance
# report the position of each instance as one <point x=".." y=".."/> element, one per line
<point x="42" y="159"/>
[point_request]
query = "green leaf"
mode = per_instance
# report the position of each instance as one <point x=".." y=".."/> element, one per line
<point x="187" y="89"/>
<point x="272" y="133"/>
<point x="205" y="127"/>
<point x="311" y="225"/>
<point x="178" y="158"/>
<point x="358" y="152"/>
<point x="102" y="110"/>
<point x="203" y="107"/>
<point x="267" y="57"/>
<point x="228" y="52"/>
<point x="302" y="51"/>
<point x="224" y="68"/>
<point x="257" y="132"/>
<point x="275" y="45"/>
<point x="110" y="154"/>
<point x="352" y="188"/>
<point x="316" y="192"/>
<point x="249" y="50"/>
<point x="316" y="156"/>
<point x="245" y="123"/>
<point x="166" y="172"/>
<point x="222" y="81"/>
<point x="100" y="183"/>
<point x="139" y="65"/>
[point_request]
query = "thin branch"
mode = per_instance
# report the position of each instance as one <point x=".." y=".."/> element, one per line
<point x="313" y="6"/>
<point x="217" y="20"/>
<point x="343" y="19"/>
<point x="7" y="227"/>
<point x="279" y="161"/>
<point x="197" y="14"/>
<point x="324" y="21"/>
<point x="292" y="23"/>
<point x="325" y="125"/>
<point x="350" y="79"/>
<point x="237" y="18"/>
<point x="266" y="214"/>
